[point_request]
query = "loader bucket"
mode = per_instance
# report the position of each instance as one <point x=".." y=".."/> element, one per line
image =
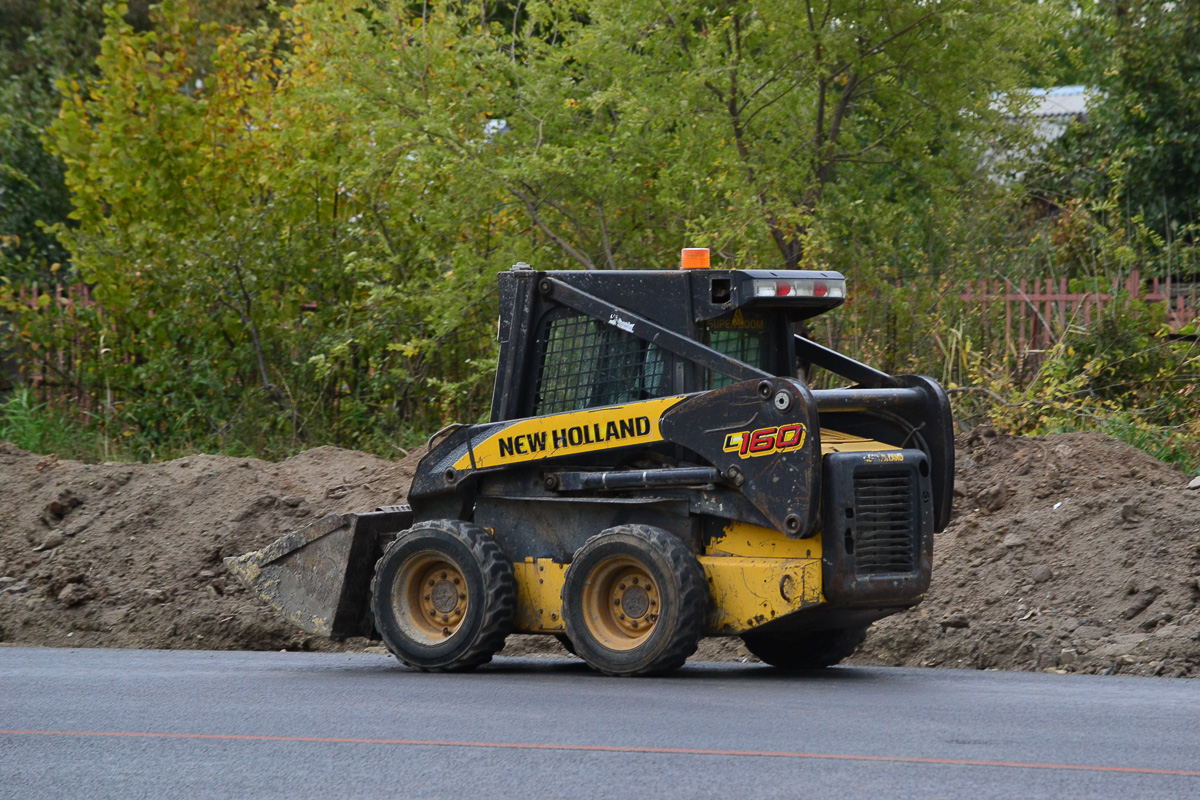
<point x="319" y="577"/>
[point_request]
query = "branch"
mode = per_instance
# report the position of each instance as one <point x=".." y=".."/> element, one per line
<point x="877" y="48"/>
<point x="843" y="104"/>
<point x="580" y="228"/>
<point x="247" y="317"/>
<point x="545" y="229"/>
<point x="770" y="102"/>
<point x="608" y="253"/>
<point x="732" y="106"/>
<point x="245" y="309"/>
<point x="892" y="131"/>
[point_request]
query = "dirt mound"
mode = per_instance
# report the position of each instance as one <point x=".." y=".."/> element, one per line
<point x="1072" y="552"/>
<point x="129" y="555"/>
<point x="1067" y="552"/>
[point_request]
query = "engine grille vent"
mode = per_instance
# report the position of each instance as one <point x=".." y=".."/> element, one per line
<point x="887" y="522"/>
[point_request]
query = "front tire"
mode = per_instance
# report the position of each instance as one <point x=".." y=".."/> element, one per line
<point x="634" y="601"/>
<point x="443" y="596"/>
<point x="813" y="650"/>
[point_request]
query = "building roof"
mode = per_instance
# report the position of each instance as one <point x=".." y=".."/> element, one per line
<point x="1059" y="103"/>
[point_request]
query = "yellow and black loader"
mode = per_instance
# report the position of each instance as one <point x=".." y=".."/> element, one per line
<point x="655" y="470"/>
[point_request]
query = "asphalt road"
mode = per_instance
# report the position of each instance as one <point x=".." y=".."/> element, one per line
<point x="128" y="724"/>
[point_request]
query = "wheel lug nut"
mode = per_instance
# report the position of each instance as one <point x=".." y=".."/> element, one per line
<point x="633" y="623"/>
<point x="445" y="631"/>
<point x="462" y="596"/>
<point x="620" y="586"/>
<point x="457" y="581"/>
<point x="427" y="597"/>
<point x="617" y="602"/>
<point x="431" y="582"/>
<point x="635" y="581"/>
<point x="445" y="617"/>
<point x="443" y="576"/>
<point x="622" y="616"/>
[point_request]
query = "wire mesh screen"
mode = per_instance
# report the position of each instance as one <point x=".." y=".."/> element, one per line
<point x="589" y="364"/>
<point x="751" y="346"/>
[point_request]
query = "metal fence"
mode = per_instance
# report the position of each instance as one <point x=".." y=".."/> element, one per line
<point x="54" y="367"/>
<point x="1018" y="318"/>
<point x="1037" y="312"/>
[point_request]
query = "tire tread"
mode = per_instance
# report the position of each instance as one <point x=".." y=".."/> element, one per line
<point x="815" y="650"/>
<point x="499" y="590"/>
<point x="693" y="598"/>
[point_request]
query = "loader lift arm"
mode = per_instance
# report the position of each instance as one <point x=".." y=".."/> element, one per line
<point x="876" y="393"/>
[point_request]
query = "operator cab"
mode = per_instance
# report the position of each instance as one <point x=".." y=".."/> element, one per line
<point x="613" y="337"/>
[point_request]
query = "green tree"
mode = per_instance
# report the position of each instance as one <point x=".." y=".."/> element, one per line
<point x="247" y="300"/>
<point x="622" y="131"/>
<point x="299" y="244"/>
<point x="176" y="225"/>
<point x="41" y="41"/>
<point x="1144" y="57"/>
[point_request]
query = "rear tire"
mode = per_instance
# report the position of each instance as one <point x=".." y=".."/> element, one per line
<point x="634" y="601"/>
<point x="443" y="596"/>
<point x="812" y="650"/>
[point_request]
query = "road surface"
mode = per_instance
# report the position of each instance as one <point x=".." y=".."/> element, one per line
<point x="178" y="724"/>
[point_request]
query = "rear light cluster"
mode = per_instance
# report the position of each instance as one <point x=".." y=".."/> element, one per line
<point x="800" y="287"/>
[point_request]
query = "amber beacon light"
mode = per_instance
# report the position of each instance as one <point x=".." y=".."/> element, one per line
<point x="694" y="258"/>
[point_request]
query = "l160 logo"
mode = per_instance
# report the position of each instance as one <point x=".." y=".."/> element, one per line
<point x="764" y="441"/>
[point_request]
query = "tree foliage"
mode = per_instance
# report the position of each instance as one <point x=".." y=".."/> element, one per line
<point x="41" y="41"/>
<point x="293" y="229"/>
<point x="216" y="215"/>
<point x="1149" y="114"/>
<point x="1138" y="152"/>
<point x="622" y="131"/>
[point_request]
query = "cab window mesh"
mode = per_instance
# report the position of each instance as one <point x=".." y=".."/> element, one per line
<point x="752" y="346"/>
<point x="588" y="364"/>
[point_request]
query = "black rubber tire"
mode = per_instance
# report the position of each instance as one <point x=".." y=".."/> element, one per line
<point x="490" y="589"/>
<point x="567" y="644"/>
<point x="810" y="650"/>
<point x="679" y="588"/>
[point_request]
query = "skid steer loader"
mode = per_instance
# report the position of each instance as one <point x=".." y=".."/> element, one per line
<point x="654" y="471"/>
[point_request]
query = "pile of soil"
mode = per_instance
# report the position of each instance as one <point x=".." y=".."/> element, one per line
<point x="130" y="555"/>
<point x="1074" y="553"/>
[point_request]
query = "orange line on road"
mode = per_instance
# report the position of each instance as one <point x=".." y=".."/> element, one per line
<point x="597" y="748"/>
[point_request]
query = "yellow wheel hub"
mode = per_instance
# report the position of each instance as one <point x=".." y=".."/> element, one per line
<point x="430" y="597"/>
<point x="621" y="603"/>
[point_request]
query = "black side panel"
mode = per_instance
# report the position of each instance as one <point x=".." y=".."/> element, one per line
<point x="556" y="528"/>
<point x="435" y="472"/>
<point x="372" y="532"/>
<point x="765" y="439"/>
<point x="878" y="528"/>
<point x="515" y="334"/>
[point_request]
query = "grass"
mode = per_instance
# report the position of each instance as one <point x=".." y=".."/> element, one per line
<point x="1177" y="446"/>
<point x="35" y="427"/>
<point x="43" y="428"/>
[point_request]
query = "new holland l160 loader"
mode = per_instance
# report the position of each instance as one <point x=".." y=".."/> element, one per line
<point x="654" y="471"/>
